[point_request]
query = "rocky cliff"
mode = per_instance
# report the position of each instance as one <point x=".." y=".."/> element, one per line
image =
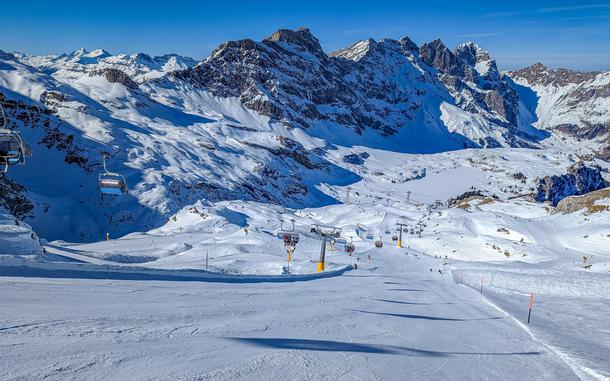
<point x="579" y="180"/>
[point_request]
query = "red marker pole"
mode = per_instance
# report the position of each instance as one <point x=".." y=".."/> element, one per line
<point x="529" y="314"/>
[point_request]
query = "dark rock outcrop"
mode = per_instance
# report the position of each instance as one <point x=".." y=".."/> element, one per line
<point x="13" y="198"/>
<point x="437" y="55"/>
<point x="116" y="76"/>
<point x="579" y="180"/>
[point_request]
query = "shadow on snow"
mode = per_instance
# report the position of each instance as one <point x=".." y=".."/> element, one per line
<point x="338" y="346"/>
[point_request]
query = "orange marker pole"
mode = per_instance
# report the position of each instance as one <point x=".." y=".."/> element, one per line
<point x="529" y="314"/>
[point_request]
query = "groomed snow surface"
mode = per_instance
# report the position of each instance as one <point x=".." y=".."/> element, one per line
<point x="142" y="306"/>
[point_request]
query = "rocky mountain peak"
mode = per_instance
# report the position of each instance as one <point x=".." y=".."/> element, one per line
<point x="78" y="52"/>
<point x="356" y="51"/>
<point x="437" y="55"/>
<point x="301" y="37"/>
<point x="408" y="44"/>
<point x="98" y="53"/>
<point x="471" y="53"/>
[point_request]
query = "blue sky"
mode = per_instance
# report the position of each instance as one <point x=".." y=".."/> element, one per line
<point x="517" y="33"/>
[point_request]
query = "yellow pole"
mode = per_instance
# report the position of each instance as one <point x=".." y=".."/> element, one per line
<point x="289" y="257"/>
<point x="107" y="236"/>
<point x="322" y="255"/>
<point x="320" y="267"/>
<point x="400" y="235"/>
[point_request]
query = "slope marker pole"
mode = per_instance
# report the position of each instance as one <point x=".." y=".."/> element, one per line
<point x="529" y="314"/>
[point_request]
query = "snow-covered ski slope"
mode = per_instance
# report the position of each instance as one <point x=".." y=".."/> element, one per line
<point x="396" y="316"/>
<point x="390" y="319"/>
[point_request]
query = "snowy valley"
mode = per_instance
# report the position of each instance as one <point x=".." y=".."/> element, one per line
<point x="499" y="179"/>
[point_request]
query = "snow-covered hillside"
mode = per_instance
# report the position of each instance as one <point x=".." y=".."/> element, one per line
<point x="17" y="238"/>
<point x="570" y="103"/>
<point x="171" y="156"/>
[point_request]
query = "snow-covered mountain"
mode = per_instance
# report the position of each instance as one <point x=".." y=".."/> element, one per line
<point x="140" y="66"/>
<point x="574" y="104"/>
<point x="277" y="121"/>
<point x="429" y="97"/>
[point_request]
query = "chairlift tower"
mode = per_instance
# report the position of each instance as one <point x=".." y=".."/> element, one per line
<point x="420" y="228"/>
<point x="325" y="232"/>
<point x="400" y="225"/>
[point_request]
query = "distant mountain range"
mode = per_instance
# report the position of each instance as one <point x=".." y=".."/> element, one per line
<point x="271" y="121"/>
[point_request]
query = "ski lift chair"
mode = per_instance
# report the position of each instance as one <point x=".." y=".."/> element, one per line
<point x="290" y="237"/>
<point x="394" y="238"/>
<point x="13" y="149"/>
<point x="350" y="248"/>
<point x="112" y="183"/>
<point x="340" y="244"/>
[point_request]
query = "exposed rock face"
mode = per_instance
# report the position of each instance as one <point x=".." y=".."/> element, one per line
<point x="13" y="198"/>
<point x="116" y="76"/>
<point x="579" y="180"/>
<point x="355" y="158"/>
<point x="575" y="203"/>
<point x="437" y="55"/>
<point x="302" y="38"/>
<point x="385" y="85"/>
